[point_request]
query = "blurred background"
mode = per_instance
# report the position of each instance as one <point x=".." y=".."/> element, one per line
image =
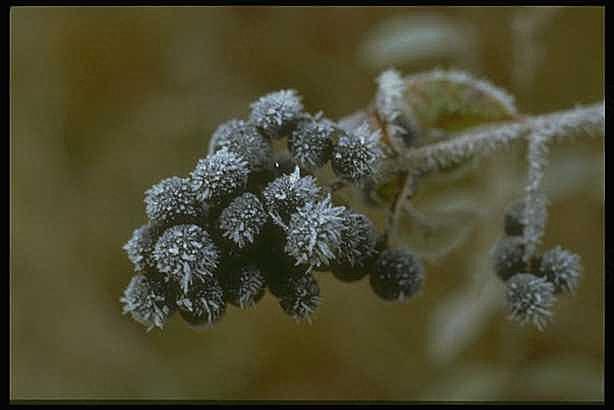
<point x="106" y="102"/>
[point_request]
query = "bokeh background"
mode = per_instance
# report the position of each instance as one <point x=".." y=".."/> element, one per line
<point x="107" y="101"/>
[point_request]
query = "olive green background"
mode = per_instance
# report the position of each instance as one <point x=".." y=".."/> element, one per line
<point x="107" y="101"/>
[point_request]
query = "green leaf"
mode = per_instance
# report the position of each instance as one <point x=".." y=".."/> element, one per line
<point x="454" y="100"/>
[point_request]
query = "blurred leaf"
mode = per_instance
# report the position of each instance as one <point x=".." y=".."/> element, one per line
<point x="454" y="100"/>
<point x="459" y="319"/>
<point x="572" y="171"/>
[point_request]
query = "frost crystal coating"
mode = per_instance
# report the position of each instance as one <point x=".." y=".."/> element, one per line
<point x="302" y="296"/>
<point x="141" y="245"/>
<point x="276" y="112"/>
<point x="146" y="301"/>
<point x="289" y="192"/>
<point x="185" y="252"/>
<point x="311" y="142"/>
<point x="314" y="233"/>
<point x="219" y="175"/>
<point x="357" y="154"/>
<point x="243" y="139"/>
<point x="169" y="199"/>
<point x="561" y="268"/>
<point x="243" y="219"/>
<point x="358" y="239"/>
<point x="244" y="287"/>
<point x="530" y="299"/>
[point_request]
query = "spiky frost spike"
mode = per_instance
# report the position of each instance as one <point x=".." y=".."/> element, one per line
<point x="311" y="142"/>
<point x="507" y="257"/>
<point x="314" y="233"/>
<point x="203" y="305"/>
<point x="529" y="299"/>
<point x="357" y="155"/>
<point x="287" y="193"/>
<point x="302" y="296"/>
<point x="243" y="139"/>
<point x="171" y="199"/>
<point x="242" y="220"/>
<point x="275" y="113"/>
<point x="244" y="287"/>
<point x="141" y="245"/>
<point x="358" y="239"/>
<point x="562" y="268"/>
<point x="148" y="302"/>
<point x="185" y="252"/>
<point x="219" y="176"/>
<point x="397" y="275"/>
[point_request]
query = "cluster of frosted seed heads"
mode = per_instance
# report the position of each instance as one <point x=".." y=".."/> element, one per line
<point x="531" y="288"/>
<point x="250" y="218"/>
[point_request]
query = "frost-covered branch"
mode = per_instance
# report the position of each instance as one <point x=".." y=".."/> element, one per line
<point x="582" y="121"/>
<point x="535" y="211"/>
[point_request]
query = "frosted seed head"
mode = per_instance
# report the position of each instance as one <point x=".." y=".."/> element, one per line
<point x="311" y="142"/>
<point x="507" y="257"/>
<point x="357" y="155"/>
<point x="358" y="239"/>
<point x="562" y="268"/>
<point x="314" y="233"/>
<point x="148" y="302"/>
<point x="170" y="200"/>
<point x="288" y="192"/>
<point x="301" y="297"/>
<point x="276" y="113"/>
<point x="203" y="305"/>
<point x="186" y="252"/>
<point x="397" y="275"/>
<point x="244" y="286"/>
<point x="529" y="299"/>
<point x="219" y="176"/>
<point x="245" y="140"/>
<point x="243" y="219"/>
<point x="141" y="245"/>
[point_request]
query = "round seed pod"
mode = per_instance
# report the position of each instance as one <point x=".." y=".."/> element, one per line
<point x="244" y="286"/>
<point x="397" y="275"/>
<point x="185" y="252"/>
<point x="243" y="219"/>
<point x="357" y="155"/>
<point x="529" y="299"/>
<point x="562" y="268"/>
<point x="313" y="234"/>
<point x="514" y="218"/>
<point x="148" y="301"/>
<point x="507" y="257"/>
<point x="356" y="253"/>
<point x="141" y="245"/>
<point x="311" y="142"/>
<point x="219" y="176"/>
<point x="275" y="114"/>
<point x="301" y="296"/>
<point x="203" y="304"/>
<point x="171" y="201"/>
<point x="287" y="193"/>
<point x="245" y="140"/>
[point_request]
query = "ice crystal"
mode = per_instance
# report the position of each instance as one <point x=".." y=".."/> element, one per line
<point x="244" y="286"/>
<point x="141" y="245"/>
<point x="302" y="297"/>
<point x="314" y="233"/>
<point x="311" y="142"/>
<point x="276" y="112"/>
<point x="530" y="299"/>
<point x="185" y="252"/>
<point x="245" y="140"/>
<point x="147" y="302"/>
<point x="358" y="239"/>
<point x="203" y="304"/>
<point x="242" y="220"/>
<point x="219" y="176"/>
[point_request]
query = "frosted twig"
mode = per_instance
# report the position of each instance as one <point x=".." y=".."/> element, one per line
<point x="398" y="205"/>
<point x="481" y="141"/>
<point x="535" y="203"/>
